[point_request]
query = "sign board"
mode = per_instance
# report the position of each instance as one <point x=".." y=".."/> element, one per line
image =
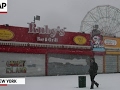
<point x="6" y="34"/>
<point x="45" y="30"/>
<point x="97" y="41"/>
<point x="47" y="36"/>
<point x="111" y="42"/>
<point x="80" y="40"/>
<point x="3" y="6"/>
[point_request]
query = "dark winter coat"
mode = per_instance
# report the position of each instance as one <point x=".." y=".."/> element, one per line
<point x="93" y="68"/>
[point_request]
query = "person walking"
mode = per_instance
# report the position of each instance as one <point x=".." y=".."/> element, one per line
<point x="93" y="72"/>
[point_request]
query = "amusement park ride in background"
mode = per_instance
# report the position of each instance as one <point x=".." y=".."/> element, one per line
<point x="104" y="18"/>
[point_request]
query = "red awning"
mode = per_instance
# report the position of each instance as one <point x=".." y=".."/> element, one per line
<point x="45" y="50"/>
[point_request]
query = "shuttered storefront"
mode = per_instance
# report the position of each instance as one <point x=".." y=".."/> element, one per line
<point x="99" y="61"/>
<point x="110" y="63"/>
<point x="64" y="64"/>
<point x="16" y="64"/>
<point x="119" y="63"/>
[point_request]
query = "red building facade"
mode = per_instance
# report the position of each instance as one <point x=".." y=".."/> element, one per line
<point x="45" y="51"/>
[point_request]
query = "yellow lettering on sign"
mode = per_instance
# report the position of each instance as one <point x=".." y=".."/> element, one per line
<point x="80" y="40"/>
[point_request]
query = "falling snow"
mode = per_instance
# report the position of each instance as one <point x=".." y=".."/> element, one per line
<point x="69" y="82"/>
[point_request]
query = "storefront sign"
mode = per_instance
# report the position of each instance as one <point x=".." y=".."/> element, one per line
<point x="45" y="30"/>
<point x="47" y="36"/>
<point x="6" y="34"/>
<point x="97" y="41"/>
<point x="46" y="39"/>
<point x="16" y="66"/>
<point x="80" y="40"/>
<point x="110" y="42"/>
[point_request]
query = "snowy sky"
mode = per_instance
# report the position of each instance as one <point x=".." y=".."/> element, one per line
<point x="63" y="13"/>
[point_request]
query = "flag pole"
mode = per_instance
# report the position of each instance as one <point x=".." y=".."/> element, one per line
<point x="34" y="19"/>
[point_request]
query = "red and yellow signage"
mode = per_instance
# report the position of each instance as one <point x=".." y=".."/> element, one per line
<point x="80" y="40"/>
<point x="44" y="35"/>
<point x="6" y="34"/>
<point x="111" y="42"/>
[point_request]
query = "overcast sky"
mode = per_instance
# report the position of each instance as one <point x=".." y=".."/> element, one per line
<point x="63" y="13"/>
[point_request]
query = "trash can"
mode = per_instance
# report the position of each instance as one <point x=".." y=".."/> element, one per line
<point x="82" y="81"/>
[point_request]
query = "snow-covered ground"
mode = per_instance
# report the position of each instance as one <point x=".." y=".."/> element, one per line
<point x="69" y="82"/>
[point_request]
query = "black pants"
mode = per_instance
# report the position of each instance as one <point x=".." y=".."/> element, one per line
<point x="92" y="77"/>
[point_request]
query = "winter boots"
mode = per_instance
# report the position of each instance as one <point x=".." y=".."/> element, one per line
<point x="92" y="85"/>
<point x="96" y="84"/>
